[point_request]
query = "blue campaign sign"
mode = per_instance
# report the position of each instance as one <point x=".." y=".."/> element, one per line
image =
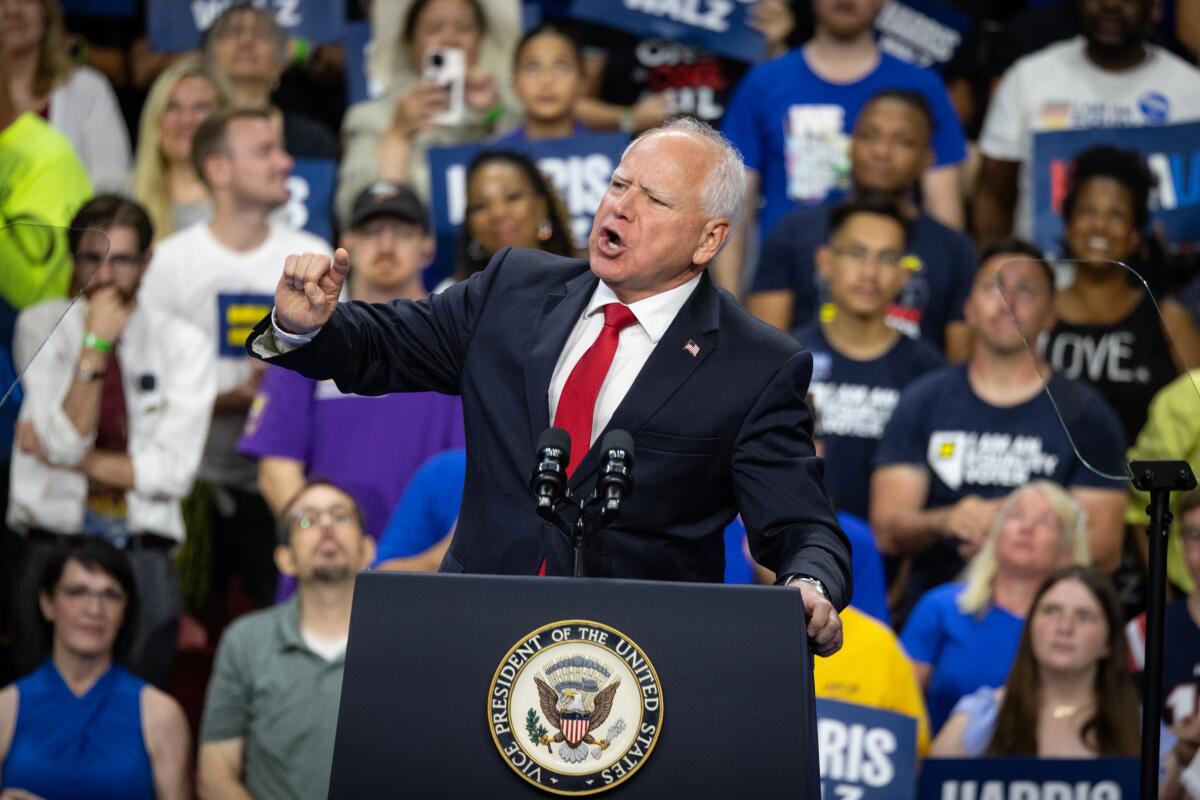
<point x="579" y="167"/>
<point x="355" y="42"/>
<point x="310" y="206"/>
<point x="866" y="753"/>
<point x="921" y="32"/>
<point x="100" y="8"/>
<point x="1029" y="779"/>
<point x="718" y="26"/>
<point x="1172" y="153"/>
<point x="237" y="314"/>
<point x="175" y="26"/>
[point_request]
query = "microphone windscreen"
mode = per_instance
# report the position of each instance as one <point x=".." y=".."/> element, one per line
<point x="556" y="438"/>
<point x="619" y="440"/>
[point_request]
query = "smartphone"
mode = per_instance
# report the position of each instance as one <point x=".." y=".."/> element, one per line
<point x="447" y="67"/>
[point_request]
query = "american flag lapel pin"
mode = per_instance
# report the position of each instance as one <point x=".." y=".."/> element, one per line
<point x="692" y="348"/>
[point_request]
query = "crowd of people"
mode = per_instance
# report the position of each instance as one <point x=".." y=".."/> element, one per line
<point x="183" y="523"/>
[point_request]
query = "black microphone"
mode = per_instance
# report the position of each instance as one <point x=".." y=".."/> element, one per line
<point x="549" y="478"/>
<point x="616" y="470"/>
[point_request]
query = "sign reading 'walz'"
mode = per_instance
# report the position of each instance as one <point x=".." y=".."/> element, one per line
<point x="718" y="26"/>
<point x="575" y="707"/>
<point x="171" y="31"/>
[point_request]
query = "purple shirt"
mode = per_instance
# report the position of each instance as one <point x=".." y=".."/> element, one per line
<point x="370" y="446"/>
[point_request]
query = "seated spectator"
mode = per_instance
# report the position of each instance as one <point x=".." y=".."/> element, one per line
<point x="872" y="670"/>
<point x="791" y="117"/>
<point x="510" y="203"/>
<point x="81" y="725"/>
<point x="246" y="47"/>
<point x="964" y="635"/>
<point x="963" y="437"/>
<point x="370" y="446"/>
<point x="164" y="178"/>
<point x="1172" y="430"/>
<point x="860" y="363"/>
<point x="272" y="705"/>
<point x="890" y="149"/>
<point x="388" y="138"/>
<point x="1110" y="77"/>
<point x="76" y="100"/>
<point x="1069" y="694"/>
<point x="1109" y="332"/>
<point x="548" y="78"/>
<point x="118" y="394"/>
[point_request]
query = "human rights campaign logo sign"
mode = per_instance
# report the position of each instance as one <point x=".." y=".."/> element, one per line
<point x="865" y="753"/>
<point x="718" y="26"/>
<point x="1172" y="153"/>
<point x="177" y="25"/>
<point x="1029" y="779"/>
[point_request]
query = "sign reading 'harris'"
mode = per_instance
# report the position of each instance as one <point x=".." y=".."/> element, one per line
<point x="575" y="707"/>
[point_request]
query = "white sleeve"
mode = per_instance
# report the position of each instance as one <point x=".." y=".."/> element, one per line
<point x="1005" y="130"/>
<point x="45" y="382"/>
<point x="105" y="150"/>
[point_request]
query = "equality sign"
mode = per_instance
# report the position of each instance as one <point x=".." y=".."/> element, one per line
<point x="1172" y="153"/>
<point x="175" y="25"/>
<point x="579" y="167"/>
<point x="865" y="753"/>
<point x="921" y="32"/>
<point x="718" y="26"/>
<point x="1029" y="779"/>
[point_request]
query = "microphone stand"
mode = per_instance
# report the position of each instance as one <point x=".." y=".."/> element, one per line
<point x="1159" y="478"/>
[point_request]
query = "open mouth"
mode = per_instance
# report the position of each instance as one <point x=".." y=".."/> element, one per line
<point x="609" y="243"/>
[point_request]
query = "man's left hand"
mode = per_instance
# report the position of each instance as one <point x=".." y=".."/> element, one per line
<point x="824" y="624"/>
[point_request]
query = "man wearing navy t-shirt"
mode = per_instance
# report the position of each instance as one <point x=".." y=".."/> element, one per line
<point x="860" y="363"/>
<point x="962" y="438"/>
<point x="791" y="119"/>
<point x="890" y="149"/>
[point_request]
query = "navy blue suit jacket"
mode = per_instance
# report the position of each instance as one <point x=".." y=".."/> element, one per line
<point x="716" y="433"/>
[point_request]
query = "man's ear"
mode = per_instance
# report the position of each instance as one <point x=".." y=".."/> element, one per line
<point x="824" y="260"/>
<point x="47" y="606"/>
<point x="428" y="250"/>
<point x="712" y="236"/>
<point x="367" y="552"/>
<point x="285" y="560"/>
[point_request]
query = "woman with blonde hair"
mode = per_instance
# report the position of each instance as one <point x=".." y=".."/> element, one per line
<point x="164" y="180"/>
<point x="962" y="636"/>
<point x="76" y="100"/>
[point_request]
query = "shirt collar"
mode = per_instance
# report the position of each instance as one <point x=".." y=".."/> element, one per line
<point x="655" y="313"/>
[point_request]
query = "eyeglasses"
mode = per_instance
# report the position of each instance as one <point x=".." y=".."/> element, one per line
<point x="106" y="597"/>
<point x="235" y="31"/>
<point x="861" y="256"/>
<point x="1190" y="533"/>
<point x="306" y="518"/>
<point x="120" y="261"/>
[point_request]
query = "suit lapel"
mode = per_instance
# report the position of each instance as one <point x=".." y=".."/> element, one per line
<point x="669" y="365"/>
<point x="558" y="316"/>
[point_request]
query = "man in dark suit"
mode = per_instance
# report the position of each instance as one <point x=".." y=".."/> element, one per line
<point x="636" y="338"/>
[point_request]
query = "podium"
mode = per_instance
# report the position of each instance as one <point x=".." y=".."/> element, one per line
<point x="463" y="686"/>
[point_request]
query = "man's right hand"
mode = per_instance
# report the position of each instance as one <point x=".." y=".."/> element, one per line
<point x="308" y="291"/>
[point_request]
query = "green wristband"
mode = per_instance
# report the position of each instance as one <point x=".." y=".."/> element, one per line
<point x="93" y="342"/>
<point x="303" y="51"/>
<point x="493" y="114"/>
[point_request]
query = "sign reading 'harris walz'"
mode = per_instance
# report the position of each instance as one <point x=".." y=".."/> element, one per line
<point x="575" y="707"/>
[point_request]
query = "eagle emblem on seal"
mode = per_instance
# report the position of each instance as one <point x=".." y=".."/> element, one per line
<point x="576" y="696"/>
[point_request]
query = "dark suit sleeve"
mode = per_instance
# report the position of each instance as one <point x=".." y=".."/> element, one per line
<point x="402" y="346"/>
<point x="789" y="519"/>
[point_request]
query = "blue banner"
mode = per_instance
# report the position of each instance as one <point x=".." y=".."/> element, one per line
<point x="100" y="8"/>
<point x="354" y="44"/>
<point x="1172" y="153"/>
<point x="866" y="753"/>
<point x="311" y="185"/>
<point x="1029" y="779"/>
<point x="237" y="314"/>
<point x="579" y="167"/>
<point x="718" y="26"/>
<point x="921" y="32"/>
<point x="175" y="26"/>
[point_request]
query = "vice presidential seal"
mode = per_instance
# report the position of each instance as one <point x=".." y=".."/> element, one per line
<point x="575" y="707"/>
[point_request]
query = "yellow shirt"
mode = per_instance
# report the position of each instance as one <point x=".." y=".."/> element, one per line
<point x="872" y="670"/>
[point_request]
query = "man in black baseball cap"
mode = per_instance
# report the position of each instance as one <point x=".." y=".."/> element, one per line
<point x="389" y="243"/>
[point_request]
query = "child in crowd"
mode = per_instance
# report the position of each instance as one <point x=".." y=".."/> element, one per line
<point x="548" y="80"/>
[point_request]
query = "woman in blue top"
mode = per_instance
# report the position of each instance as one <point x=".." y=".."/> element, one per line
<point x="81" y="726"/>
<point x="964" y="635"/>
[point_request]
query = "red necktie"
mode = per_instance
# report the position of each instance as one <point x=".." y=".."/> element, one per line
<point x="577" y="404"/>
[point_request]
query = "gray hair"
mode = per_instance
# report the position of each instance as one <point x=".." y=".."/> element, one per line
<point x="725" y="185"/>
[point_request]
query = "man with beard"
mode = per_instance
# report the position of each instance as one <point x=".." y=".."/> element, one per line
<point x="1110" y="77"/>
<point x="272" y="705"/>
<point x="117" y="400"/>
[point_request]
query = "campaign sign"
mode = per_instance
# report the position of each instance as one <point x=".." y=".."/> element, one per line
<point x="99" y="8"/>
<point x="718" y="26"/>
<point x="355" y="42"/>
<point x="237" y="314"/>
<point x="310" y="206"/>
<point x="1029" y="779"/>
<point x="1172" y="153"/>
<point x="579" y="167"/>
<point x="171" y="31"/>
<point x="865" y="753"/>
<point x="921" y="32"/>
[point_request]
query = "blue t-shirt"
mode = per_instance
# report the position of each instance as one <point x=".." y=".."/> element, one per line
<point x="792" y="127"/>
<point x="428" y="508"/>
<point x="931" y="300"/>
<point x="1181" y="659"/>
<point x="971" y="447"/>
<point x="965" y="651"/>
<point x="866" y="565"/>
<point x="854" y="401"/>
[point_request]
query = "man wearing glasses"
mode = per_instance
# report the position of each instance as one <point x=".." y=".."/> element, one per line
<point x="118" y="396"/>
<point x="272" y="706"/>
